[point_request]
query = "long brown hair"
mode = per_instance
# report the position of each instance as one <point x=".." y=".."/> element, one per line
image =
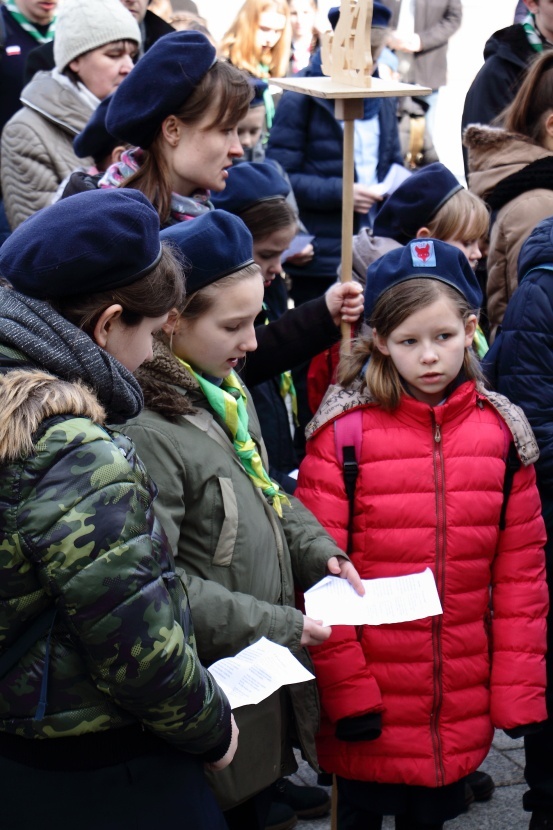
<point x="238" y="42"/>
<point x="533" y="102"/>
<point x="158" y="292"/>
<point x="393" y="307"/>
<point x="227" y="91"/>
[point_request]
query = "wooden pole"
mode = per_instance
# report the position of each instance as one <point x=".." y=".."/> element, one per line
<point x="347" y="110"/>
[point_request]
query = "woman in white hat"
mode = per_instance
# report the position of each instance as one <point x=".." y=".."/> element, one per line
<point x="94" y="47"/>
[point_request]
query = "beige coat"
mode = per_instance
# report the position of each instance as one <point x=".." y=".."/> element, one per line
<point x="495" y="154"/>
<point x="37" y="144"/>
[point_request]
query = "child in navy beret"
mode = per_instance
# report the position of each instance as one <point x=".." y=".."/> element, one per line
<point x="430" y="203"/>
<point x="180" y="110"/>
<point x="88" y="575"/>
<point x="410" y="466"/>
<point x="235" y="532"/>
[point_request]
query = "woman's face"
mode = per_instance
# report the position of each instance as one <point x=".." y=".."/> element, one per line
<point x="268" y="250"/>
<point x="102" y="70"/>
<point x="269" y="30"/>
<point x="132" y="345"/>
<point x="218" y="340"/>
<point x="202" y="155"/>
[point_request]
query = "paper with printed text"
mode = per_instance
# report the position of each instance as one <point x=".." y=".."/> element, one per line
<point x="256" y="672"/>
<point x="386" y="600"/>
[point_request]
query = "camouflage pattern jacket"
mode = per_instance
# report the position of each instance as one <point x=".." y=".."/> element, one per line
<point x="77" y="529"/>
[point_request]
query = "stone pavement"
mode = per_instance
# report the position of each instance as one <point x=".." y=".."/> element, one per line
<point x="505" y="764"/>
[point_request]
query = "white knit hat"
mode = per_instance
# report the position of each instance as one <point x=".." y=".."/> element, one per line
<point x="83" y="25"/>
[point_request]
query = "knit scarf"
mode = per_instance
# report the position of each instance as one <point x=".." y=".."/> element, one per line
<point x="228" y="401"/>
<point x="182" y="207"/>
<point x="30" y="27"/>
<point x="536" y="175"/>
<point x="532" y="33"/>
<point x="55" y="345"/>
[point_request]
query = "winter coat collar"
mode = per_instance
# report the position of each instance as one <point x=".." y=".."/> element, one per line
<point x="495" y="154"/>
<point x="338" y="401"/>
<point x="40" y="337"/>
<point x="163" y="377"/>
<point x="58" y="102"/>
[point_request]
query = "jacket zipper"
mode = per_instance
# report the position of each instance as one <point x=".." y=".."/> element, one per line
<point x="437" y="621"/>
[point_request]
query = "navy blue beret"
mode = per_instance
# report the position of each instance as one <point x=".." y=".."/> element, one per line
<point x="381" y="16"/>
<point x="94" y="241"/>
<point x="94" y="140"/>
<point x="214" y="245"/>
<point x="159" y="85"/>
<point x="415" y="202"/>
<point x="248" y="183"/>
<point x="260" y="87"/>
<point x="422" y="258"/>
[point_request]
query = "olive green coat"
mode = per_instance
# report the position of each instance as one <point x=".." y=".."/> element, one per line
<point x="240" y="559"/>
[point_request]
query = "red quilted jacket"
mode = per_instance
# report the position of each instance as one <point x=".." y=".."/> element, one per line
<point x="429" y="494"/>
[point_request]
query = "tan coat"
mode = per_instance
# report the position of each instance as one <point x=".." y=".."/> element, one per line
<point x="37" y="145"/>
<point x="495" y="154"/>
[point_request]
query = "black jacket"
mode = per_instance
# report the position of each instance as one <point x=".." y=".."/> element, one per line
<point x="42" y="58"/>
<point x="18" y="44"/>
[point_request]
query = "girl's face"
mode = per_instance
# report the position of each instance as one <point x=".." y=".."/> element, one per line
<point x="268" y="250"/>
<point x="202" y="155"/>
<point x="218" y="340"/>
<point x="469" y="246"/>
<point x="269" y="30"/>
<point x="428" y="348"/>
<point x="102" y="70"/>
<point x="251" y="127"/>
<point x="302" y="18"/>
<point x="132" y="345"/>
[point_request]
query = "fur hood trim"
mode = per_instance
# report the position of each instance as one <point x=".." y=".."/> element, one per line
<point x="338" y="401"/>
<point x="487" y="137"/>
<point x="166" y="384"/>
<point x="27" y="398"/>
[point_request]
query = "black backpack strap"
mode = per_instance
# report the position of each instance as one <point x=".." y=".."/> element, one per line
<point x="512" y="465"/>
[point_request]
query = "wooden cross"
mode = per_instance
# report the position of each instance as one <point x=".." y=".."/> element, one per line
<point x="347" y="64"/>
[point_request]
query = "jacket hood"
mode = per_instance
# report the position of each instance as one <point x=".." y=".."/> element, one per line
<point x="27" y="398"/>
<point x="509" y="44"/>
<point x="58" y="101"/>
<point x="166" y="384"/>
<point x="538" y="248"/>
<point x="495" y="154"/>
<point x="338" y="401"/>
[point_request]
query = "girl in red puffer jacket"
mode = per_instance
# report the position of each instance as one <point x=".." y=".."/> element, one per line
<point x="409" y="708"/>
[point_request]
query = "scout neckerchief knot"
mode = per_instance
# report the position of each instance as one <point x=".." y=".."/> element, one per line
<point x="229" y="402"/>
<point x="28" y="26"/>
<point x="534" y="39"/>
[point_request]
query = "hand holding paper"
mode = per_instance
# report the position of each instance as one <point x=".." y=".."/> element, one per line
<point x="257" y="672"/>
<point x="386" y="600"/>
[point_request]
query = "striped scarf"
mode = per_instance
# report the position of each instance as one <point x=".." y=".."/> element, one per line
<point x="182" y="207"/>
<point x="534" y="39"/>
<point x="28" y="26"/>
<point x="228" y="401"/>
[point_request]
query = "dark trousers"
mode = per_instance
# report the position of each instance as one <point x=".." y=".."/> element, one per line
<point x="141" y="794"/>
<point x="251" y="814"/>
<point x="538" y="748"/>
<point x="351" y="818"/>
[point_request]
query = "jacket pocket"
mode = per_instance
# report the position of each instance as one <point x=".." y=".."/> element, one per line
<point x="229" y="528"/>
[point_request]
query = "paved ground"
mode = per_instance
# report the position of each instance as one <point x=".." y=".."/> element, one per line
<point x="505" y="763"/>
